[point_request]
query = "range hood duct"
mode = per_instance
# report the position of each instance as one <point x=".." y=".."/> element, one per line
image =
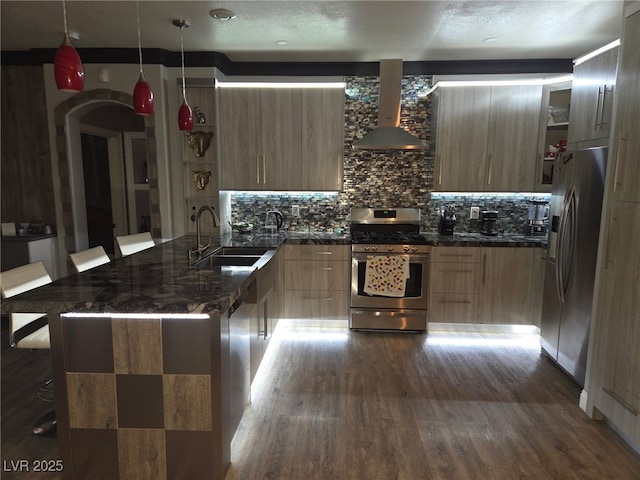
<point x="388" y="135"/>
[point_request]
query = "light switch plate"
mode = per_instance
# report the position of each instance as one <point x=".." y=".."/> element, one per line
<point x="295" y="210"/>
<point x="474" y="214"/>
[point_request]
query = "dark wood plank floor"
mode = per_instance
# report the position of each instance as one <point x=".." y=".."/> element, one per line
<point x="334" y="404"/>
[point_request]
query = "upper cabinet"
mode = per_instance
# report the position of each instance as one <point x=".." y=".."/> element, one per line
<point x="487" y="138"/>
<point x="281" y="138"/>
<point x="592" y="98"/>
<point x="554" y="120"/>
<point x="626" y="155"/>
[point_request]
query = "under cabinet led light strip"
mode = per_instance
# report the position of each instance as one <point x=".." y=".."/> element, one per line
<point x="597" y="52"/>
<point x="501" y="83"/>
<point x="220" y="84"/>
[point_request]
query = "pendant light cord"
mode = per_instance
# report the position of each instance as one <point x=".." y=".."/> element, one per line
<point x="184" y="90"/>
<point x="139" y="42"/>
<point x="64" y="14"/>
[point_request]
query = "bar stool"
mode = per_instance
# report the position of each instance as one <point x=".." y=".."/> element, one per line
<point x="90" y="258"/>
<point x="130" y="244"/>
<point x="30" y="330"/>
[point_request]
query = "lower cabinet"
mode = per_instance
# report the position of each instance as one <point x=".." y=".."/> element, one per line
<point x="506" y="285"/>
<point x="316" y="282"/>
<point x="454" y="284"/>
<point x="482" y="285"/>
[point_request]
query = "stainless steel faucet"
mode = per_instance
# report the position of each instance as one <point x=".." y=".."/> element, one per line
<point x="216" y="223"/>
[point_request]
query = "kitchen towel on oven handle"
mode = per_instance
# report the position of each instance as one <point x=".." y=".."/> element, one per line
<point x="386" y="275"/>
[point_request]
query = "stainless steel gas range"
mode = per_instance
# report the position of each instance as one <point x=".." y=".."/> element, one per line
<point x="389" y="270"/>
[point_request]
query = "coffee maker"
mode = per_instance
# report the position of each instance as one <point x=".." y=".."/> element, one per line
<point x="488" y="220"/>
<point x="537" y="223"/>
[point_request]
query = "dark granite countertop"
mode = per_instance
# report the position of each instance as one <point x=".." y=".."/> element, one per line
<point x="479" y="240"/>
<point x="28" y="237"/>
<point x="159" y="280"/>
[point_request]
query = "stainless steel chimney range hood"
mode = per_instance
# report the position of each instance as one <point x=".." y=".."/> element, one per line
<point x="389" y="135"/>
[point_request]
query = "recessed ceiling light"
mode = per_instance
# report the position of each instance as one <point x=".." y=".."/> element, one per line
<point x="490" y="40"/>
<point x="222" y="14"/>
<point x="282" y="42"/>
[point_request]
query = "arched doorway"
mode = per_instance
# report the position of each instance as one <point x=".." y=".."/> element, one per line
<point x="69" y="149"/>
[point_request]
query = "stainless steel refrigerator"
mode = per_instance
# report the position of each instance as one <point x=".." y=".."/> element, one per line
<point x="576" y="205"/>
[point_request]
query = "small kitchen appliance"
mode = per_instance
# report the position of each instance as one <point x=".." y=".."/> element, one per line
<point x="389" y="236"/>
<point x="447" y="221"/>
<point x="538" y="220"/>
<point x="488" y="220"/>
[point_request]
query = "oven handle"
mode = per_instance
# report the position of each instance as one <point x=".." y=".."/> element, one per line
<point x="362" y="256"/>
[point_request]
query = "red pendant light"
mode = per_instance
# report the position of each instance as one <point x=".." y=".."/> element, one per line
<point x="67" y="66"/>
<point x="142" y="94"/>
<point x="185" y="115"/>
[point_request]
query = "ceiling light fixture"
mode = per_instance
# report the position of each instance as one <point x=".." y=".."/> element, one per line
<point x="142" y="94"/>
<point x="282" y="43"/>
<point x="185" y="115"/>
<point x="222" y="14"/>
<point x="67" y="66"/>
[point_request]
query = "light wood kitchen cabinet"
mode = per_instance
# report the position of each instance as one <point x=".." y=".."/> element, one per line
<point x="461" y="138"/>
<point x="617" y="332"/>
<point x="322" y="138"/>
<point x="281" y="138"/>
<point x="487" y="138"/>
<point x="506" y="285"/>
<point x="454" y="284"/>
<point x="592" y="95"/>
<point x="612" y="387"/>
<point x="316" y="282"/>
<point x="626" y="153"/>
<point x="554" y="127"/>
<point x="491" y="285"/>
<point x="260" y="139"/>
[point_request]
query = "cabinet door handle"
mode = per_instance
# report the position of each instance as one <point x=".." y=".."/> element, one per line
<point x="484" y="268"/>
<point x="324" y="299"/>
<point x="439" y="167"/>
<point x="607" y="256"/>
<point x="456" y="271"/>
<point x="596" y="122"/>
<point x="621" y="140"/>
<point x="321" y="253"/>
<point x="604" y="100"/>
<point x="489" y="169"/>
<point x="257" y="168"/>
<point x="442" y="300"/>
<point x="456" y="254"/>
<point x="264" y="169"/>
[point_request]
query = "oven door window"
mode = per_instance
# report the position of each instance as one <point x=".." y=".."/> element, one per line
<point x="413" y="287"/>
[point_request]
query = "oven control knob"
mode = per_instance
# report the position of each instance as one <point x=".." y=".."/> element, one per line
<point x="374" y="249"/>
<point x="414" y="249"/>
<point x="406" y="248"/>
<point x="389" y="248"/>
<point x="366" y="249"/>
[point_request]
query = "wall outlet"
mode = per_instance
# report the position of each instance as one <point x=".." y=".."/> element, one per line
<point x="295" y="210"/>
<point x="475" y="213"/>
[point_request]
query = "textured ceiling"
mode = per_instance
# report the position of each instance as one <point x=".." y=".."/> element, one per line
<point x="326" y="30"/>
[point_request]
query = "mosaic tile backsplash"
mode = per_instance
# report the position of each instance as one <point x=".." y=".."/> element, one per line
<point x="382" y="179"/>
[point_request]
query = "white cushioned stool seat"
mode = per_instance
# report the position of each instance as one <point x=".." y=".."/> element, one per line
<point x="90" y="258"/>
<point x="130" y="244"/>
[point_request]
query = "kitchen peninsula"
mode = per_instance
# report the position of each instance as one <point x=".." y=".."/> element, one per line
<point x="141" y="363"/>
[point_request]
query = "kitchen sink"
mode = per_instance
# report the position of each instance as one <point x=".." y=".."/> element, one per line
<point x="238" y="251"/>
<point x="216" y="260"/>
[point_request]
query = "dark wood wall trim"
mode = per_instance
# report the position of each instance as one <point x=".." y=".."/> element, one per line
<point x="222" y="62"/>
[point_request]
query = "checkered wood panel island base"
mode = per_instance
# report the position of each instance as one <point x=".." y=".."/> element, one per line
<point x="144" y="397"/>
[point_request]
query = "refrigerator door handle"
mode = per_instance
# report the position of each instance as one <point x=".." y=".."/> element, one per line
<point x="567" y="219"/>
